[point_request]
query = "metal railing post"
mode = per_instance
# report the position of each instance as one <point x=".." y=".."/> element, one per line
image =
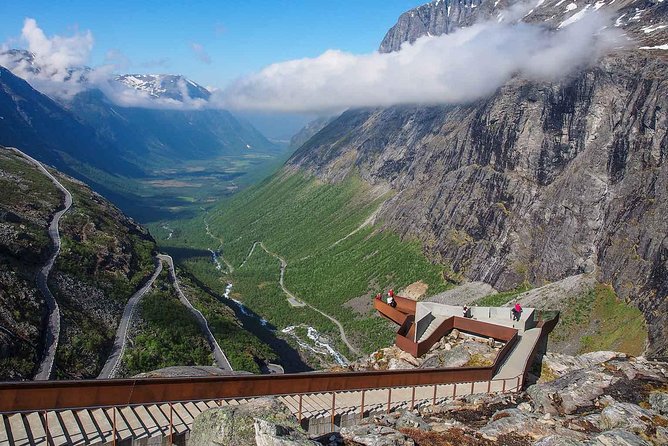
<point x="489" y="386"/>
<point x="46" y="428"/>
<point x="333" y="408"/>
<point x="114" y="429"/>
<point x="454" y="390"/>
<point x="362" y="409"/>
<point x="503" y="390"/>
<point x="434" y="401"/>
<point x="518" y="384"/>
<point x="300" y="409"/>
<point x="472" y="387"/>
<point x="389" y="398"/>
<point x="171" y="430"/>
<point x="413" y="399"/>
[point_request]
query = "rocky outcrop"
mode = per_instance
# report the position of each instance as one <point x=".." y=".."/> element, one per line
<point x="262" y="422"/>
<point x="623" y="408"/>
<point x="435" y="18"/>
<point x="538" y="182"/>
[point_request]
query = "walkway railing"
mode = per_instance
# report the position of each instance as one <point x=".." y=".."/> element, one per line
<point x="310" y="394"/>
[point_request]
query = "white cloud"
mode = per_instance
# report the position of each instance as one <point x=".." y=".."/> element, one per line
<point x="466" y="65"/>
<point x="200" y="53"/>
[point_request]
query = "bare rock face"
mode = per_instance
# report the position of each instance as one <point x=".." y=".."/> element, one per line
<point x="262" y="422"/>
<point x="539" y="182"/>
<point x="435" y="18"/>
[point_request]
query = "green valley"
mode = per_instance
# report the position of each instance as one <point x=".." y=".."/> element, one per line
<point x="337" y="258"/>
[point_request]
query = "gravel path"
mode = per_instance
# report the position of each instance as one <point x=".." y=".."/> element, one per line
<point x="120" y="341"/>
<point x="218" y="354"/>
<point x="52" y="333"/>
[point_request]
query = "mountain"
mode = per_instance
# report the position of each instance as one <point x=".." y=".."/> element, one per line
<point x="433" y="19"/>
<point x="105" y="257"/>
<point x="539" y="182"/>
<point x="153" y="138"/>
<point x="309" y="130"/>
<point x="170" y="86"/>
<point x="129" y="153"/>
<point x="31" y="119"/>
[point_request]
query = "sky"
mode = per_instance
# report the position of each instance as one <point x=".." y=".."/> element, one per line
<point x="280" y="58"/>
<point x="211" y="42"/>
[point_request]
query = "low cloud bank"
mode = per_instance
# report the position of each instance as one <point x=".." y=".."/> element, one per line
<point x="57" y="66"/>
<point x="469" y="64"/>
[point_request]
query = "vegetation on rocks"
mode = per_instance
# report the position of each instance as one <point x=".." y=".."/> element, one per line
<point x="27" y="201"/>
<point x="242" y="348"/>
<point x="104" y="258"/>
<point x="164" y="334"/>
<point x="603" y="321"/>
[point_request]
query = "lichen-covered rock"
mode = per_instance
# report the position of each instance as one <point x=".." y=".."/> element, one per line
<point x="455" y="357"/>
<point x="627" y="416"/>
<point x="262" y="422"/>
<point x="659" y="402"/>
<point x="514" y="420"/>
<point x="374" y="435"/>
<point x="618" y="437"/>
<point x="558" y="440"/>
<point x="410" y="420"/>
<point x="575" y="390"/>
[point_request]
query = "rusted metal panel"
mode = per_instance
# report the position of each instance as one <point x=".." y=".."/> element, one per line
<point x="51" y="395"/>
<point x="446" y="326"/>
<point x="393" y="314"/>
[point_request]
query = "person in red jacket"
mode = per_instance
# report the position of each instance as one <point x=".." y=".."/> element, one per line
<point x="517" y="311"/>
<point x="390" y="299"/>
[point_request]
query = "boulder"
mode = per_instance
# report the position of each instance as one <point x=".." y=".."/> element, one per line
<point x="558" y="440"/>
<point x="263" y="422"/>
<point x="515" y="421"/>
<point x="575" y="390"/>
<point x="399" y="364"/>
<point x="618" y="437"/>
<point x="373" y="435"/>
<point x="407" y="357"/>
<point x="627" y="416"/>
<point x="412" y="421"/>
<point x="659" y="402"/>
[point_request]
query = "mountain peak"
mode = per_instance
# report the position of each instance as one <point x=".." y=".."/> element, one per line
<point x="171" y="86"/>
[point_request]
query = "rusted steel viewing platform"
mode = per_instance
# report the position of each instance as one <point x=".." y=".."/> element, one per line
<point x="151" y="411"/>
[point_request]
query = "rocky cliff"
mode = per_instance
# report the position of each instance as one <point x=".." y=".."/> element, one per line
<point x="435" y="18"/>
<point x="539" y="181"/>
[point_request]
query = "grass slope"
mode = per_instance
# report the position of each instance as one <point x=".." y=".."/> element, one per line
<point x="604" y="321"/>
<point x="301" y="219"/>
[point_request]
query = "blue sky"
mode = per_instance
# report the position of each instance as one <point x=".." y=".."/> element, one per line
<point x="237" y="36"/>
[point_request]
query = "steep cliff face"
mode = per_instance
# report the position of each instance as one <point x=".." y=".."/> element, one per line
<point x="535" y="183"/>
<point x="434" y="18"/>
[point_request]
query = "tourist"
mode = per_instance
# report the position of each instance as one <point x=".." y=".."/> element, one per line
<point x="467" y="312"/>
<point x="390" y="299"/>
<point x="379" y="296"/>
<point x="517" y="311"/>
